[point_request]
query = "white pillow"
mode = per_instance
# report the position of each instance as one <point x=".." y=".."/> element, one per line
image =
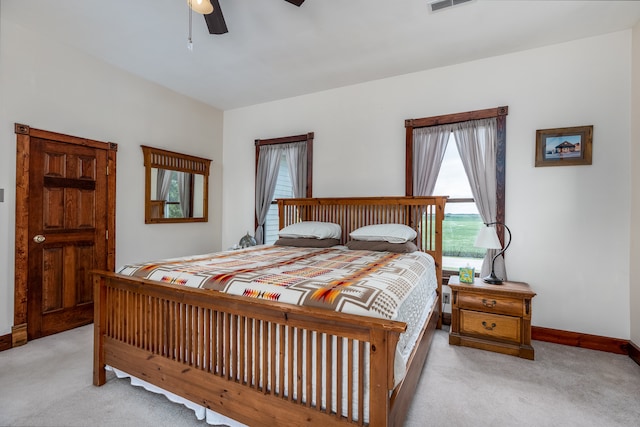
<point x="312" y="229"/>
<point x="392" y="233"/>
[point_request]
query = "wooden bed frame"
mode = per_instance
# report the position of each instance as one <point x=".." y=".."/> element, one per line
<point x="185" y="340"/>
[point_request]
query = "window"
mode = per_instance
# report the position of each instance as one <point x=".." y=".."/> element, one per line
<point x="460" y="225"/>
<point x="462" y="220"/>
<point x="284" y="190"/>
<point x="283" y="170"/>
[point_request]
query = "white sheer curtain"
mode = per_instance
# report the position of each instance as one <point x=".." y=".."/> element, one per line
<point x="266" y="178"/>
<point x="477" y="144"/>
<point x="429" y="146"/>
<point x="163" y="182"/>
<point x="296" y="155"/>
<point x="184" y="189"/>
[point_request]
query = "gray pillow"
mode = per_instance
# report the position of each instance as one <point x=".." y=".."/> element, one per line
<point x="368" y="245"/>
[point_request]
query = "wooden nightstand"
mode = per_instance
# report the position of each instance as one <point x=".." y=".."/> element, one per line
<point x="492" y="317"/>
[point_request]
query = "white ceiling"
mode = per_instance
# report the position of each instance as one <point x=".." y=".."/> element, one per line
<point x="275" y="50"/>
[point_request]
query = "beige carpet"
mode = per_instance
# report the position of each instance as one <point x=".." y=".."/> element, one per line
<point x="48" y="383"/>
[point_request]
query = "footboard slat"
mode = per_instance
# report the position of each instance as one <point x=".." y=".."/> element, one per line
<point x="308" y="367"/>
<point x="299" y="364"/>
<point x="349" y="380"/>
<point x="273" y="360"/>
<point x="318" y="373"/>
<point x="360" y="379"/>
<point x="249" y="380"/>
<point x="339" y="375"/>
<point x="231" y="335"/>
<point x="264" y="378"/>
<point x="329" y="369"/>
<point x="281" y="358"/>
<point x="242" y="370"/>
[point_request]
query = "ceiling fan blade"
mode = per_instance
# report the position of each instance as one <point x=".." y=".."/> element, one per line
<point x="215" y="20"/>
<point x="296" y="2"/>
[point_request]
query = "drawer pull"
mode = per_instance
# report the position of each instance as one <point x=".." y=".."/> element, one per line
<point x="488" y="328"/>
<point x="489" y="304"/>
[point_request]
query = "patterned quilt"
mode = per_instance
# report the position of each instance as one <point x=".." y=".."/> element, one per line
<point x="376" y="284"/>
<point x="358" y="282"/>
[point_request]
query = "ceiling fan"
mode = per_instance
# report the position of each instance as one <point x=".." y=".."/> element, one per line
<point x="213" y="13"/>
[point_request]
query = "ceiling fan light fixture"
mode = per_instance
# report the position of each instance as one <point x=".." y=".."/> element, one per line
<point x="203" y="7"/>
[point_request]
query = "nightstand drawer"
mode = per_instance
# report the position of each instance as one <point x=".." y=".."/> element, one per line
<point x="491" y="303"/>
<point x="505" y="328"/>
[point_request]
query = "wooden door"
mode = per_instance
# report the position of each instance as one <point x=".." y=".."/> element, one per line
<point x="69" y="213"/>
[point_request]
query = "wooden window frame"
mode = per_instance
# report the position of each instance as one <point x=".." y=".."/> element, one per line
<point x="308" y="137"/>
<point x="500" y="113"/>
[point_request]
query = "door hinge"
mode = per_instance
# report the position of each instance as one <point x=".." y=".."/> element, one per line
<point x="107" y="170"/>
<point x="107" y="237"/>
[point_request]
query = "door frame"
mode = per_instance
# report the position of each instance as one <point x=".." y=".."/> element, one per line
<point x="23" y="151"/>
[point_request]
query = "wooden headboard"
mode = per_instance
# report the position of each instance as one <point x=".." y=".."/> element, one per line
<point x="424" y="214"/>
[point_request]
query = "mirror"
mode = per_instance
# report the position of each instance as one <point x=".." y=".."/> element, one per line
<point x="176" y="187"/>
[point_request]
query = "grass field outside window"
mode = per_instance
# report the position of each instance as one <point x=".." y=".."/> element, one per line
<point x="459" y="231"/>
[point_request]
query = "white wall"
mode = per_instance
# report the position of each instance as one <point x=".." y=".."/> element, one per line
<point x="52" y="87"/>
<point x="570" y="224"/>
<point x="635" y="194"/>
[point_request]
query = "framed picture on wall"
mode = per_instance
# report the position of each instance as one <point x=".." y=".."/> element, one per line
<point x="564" y="146"/>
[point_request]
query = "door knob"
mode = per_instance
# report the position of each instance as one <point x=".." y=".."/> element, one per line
<point x="39" y="238"/>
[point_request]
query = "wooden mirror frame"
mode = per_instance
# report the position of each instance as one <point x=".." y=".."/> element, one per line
<point x="164" y="159"/>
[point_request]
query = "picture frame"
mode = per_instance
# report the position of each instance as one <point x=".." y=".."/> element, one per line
<point x="564" y="146"/>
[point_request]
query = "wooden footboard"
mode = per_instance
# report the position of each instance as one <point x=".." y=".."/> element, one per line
<point x="222" y="352"/>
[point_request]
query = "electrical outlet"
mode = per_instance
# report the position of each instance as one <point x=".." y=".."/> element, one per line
<point x="445" y="298"/>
